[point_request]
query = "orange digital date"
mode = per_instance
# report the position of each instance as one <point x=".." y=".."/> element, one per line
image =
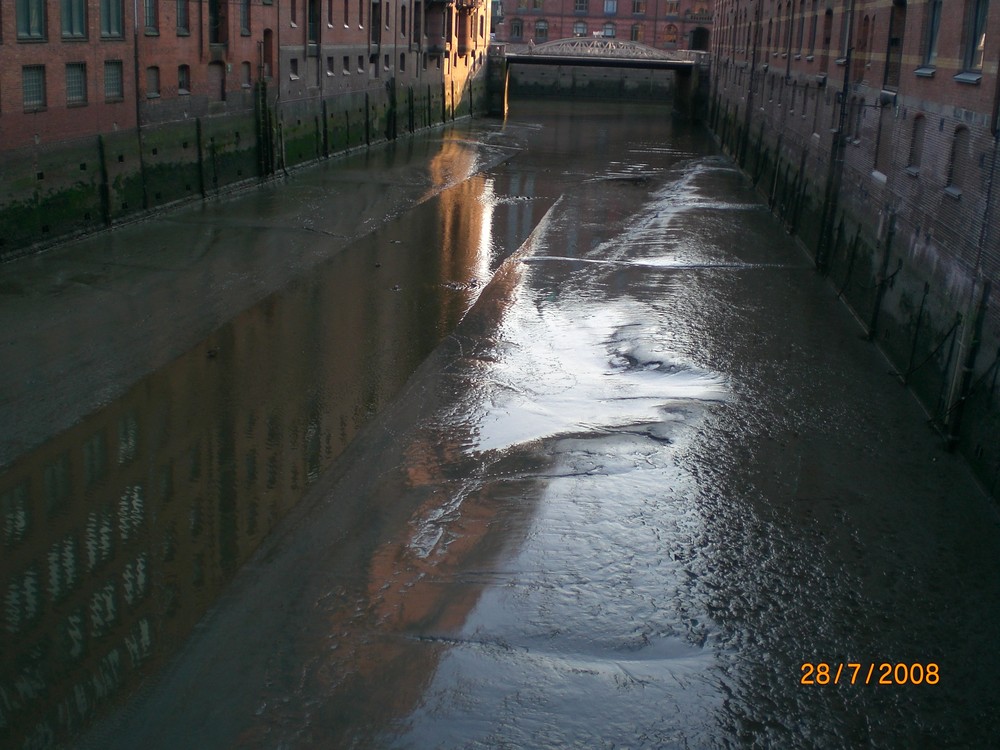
<point x="886" y="673"/>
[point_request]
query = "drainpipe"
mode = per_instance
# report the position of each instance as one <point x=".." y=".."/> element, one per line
<point x="836" y="171"/>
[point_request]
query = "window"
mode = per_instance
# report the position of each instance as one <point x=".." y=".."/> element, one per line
<point x="536" y="4"/>
<point x="114" y="88"/>
<point x="673" y="7"/>
<point x="150" y="15"/>
<point x="894" y="52"/>
<point x="245" y="17"/>
<point x="33" y="86"/>
<point x="312" y="21"/>
<point x="183" y="79"/>
<point x="956" y="164"/>
<point x="975" y="38"/>
<point x="670" y="35"/>
<point x="580" y="6"/>
<point x="74" y="19"/>
<point x="635" y="33"/>
<point x="517" y="29"/>
<point x="347" y="11"/>
<point x="932" y="25"/>
<point x="801" y="27"/>
<point x="860" y="61"/>
<point x="541" y="31"/>
<point x="76" y="83"/>
<point x="610" y="7"/>
<point x="813" y="23"/>
<point x="883" y="148"/>
<point x="827" y="37"/>
<point x="293" y="68"/>
<point x="183" y="17"/>
<point x="402" y="20"/>
<point x="31" y="21"/>
<point x="268" y="67"/>
<point x="375" y="22"/>
<point x="916" y="144"/>
<point x="152" y="82"/>
<point x="218" y="27"/>
<point x="402" y="62"/>
<point x="111" y="18"/>
<point x="579" y="29"/>
<point x="361" y="63"/>
<point x="638" y="6"/>
<point x="609" y="31"/>
<point x="246" y="79"/>
<point x="294" y="18"/>
<point x="347" y="65"/>
<point x="845" y="18"/>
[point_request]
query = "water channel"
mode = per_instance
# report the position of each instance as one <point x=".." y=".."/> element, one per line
<point x="536" y="433"/>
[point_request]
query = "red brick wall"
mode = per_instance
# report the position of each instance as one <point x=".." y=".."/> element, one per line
<point x="653" y="20"/>
<point x="59" y="121"/>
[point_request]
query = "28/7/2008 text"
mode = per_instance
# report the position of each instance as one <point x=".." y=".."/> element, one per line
<point x="885" y="673"/>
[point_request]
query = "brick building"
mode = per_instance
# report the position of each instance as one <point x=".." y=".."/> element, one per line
<point x="112" y="106"/>
<point x="664" y="24"/>
<point x="873" y="129"/>
<point x="68" y="69"/>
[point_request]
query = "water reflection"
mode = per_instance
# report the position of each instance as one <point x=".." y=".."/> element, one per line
<point x="119" y="532"/>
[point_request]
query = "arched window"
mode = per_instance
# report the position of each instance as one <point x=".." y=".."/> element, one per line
<point x="541" y="30"/>
<point x="670" y="37"/>
<point x="635" y="33"/>
<point x="516" y="29"/>
<point x="609" y="31"/>
<point x="579" y="29"/>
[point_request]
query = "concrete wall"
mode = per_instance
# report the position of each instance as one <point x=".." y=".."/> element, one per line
<point x="591" y="83"/>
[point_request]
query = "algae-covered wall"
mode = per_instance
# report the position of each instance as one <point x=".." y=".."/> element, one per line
<point x="55" y="191"/>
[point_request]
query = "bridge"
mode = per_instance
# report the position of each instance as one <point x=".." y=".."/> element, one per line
<point x="603" y="52"/>
<point x="597" y="52"/>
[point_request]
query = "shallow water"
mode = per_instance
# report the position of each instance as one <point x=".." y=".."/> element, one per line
<point x="635" y="482"/>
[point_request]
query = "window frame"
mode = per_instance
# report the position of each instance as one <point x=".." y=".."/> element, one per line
<point x="119" y="94"/>
<point x="42" y="101"/>
<point x="975" y="27"/>
<point x="81" y="68"/>
<point x="30" y="21"/>
<point x="74" y="11"/>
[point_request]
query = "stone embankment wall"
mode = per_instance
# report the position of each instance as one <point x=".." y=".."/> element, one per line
<point x="57" y="190"/>
<point x="538" y="81"/>
<point x="902" y="215"/>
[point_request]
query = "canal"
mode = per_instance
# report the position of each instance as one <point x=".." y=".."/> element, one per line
<point x="528" y="434"/>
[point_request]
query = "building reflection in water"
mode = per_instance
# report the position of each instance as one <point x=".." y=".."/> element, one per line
<point x="118" y="533"/>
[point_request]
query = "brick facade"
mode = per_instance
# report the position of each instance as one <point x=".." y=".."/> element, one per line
<point x="44" y="45"/>
<point x="664" y="24"/>
<point x="109" y="107"/>
<point x="872" y="127"/>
